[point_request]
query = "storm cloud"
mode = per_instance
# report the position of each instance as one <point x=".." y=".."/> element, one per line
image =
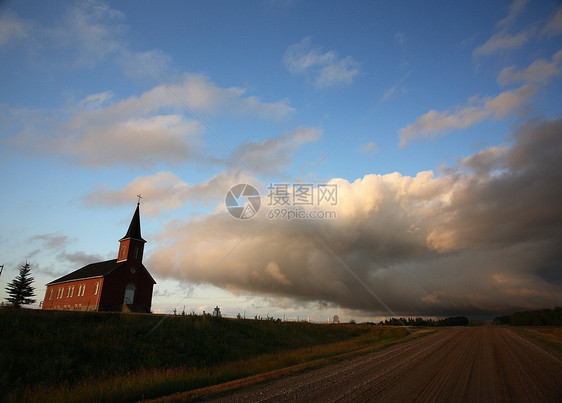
<point x="481" y="237"/>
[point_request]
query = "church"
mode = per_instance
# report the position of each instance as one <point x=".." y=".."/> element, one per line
<point x="121" y="284"/>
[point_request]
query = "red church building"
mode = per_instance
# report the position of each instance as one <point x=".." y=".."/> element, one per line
<point x="113" y="285"/>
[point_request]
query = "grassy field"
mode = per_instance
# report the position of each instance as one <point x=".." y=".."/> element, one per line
<point x="75" y="356"/>
<point x="551" y="335"/>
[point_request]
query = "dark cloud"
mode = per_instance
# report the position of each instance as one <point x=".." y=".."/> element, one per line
<point x="482" y="238"/>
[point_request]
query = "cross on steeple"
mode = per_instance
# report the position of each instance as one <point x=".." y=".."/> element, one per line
<point x="140" y="197"/>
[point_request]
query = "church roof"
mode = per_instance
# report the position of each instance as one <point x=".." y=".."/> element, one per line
<point x="98" y="269"/>
<point x="134" y="230"/>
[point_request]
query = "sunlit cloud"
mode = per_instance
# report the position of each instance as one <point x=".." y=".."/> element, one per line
<point x="504" y="40"/>
<point x="435" y="124"/>
<point x="165" y="190"/>
<point x="538" y="72"/>
<point x="473" y="240"/>
<point x="104" y="132"/>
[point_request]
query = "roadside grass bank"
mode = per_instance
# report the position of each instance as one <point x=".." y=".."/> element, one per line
<point x="551" y="335"/>
<point x="79" y="356"/>
<point x="293" y="363"/>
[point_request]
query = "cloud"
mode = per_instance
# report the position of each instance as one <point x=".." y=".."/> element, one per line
<point x="434" y="123"/>
<point x="503" y="40"/>
<point x="156" y="127"/>
<point x="273" y="270"/>
<point x="95" y="27"/>
<point x="554" y="26"/>
<point x="138" y="141"/>
<point x="144" y="130"/>
<point x="80" y="258"/>
<point x="482" y="239"/>
<point x="139" y="64"/>
<point x="325" y="69"/>
<point x="57" y="244"/>
<point x="271" y="155"/>
<point x="89" y="33"/>
<point x="12" y="29"/>
<point x="484" y="161"/>
<point x="538" y="72"/>
<point x="369" y="148"/>
<point x="165" y="190"/>
<point x="93" y="32"/>
<point x="515" y="9"/>
<point x="52" y="241"/>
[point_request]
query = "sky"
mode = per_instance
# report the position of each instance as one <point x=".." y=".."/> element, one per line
<point x="406" y="156"/>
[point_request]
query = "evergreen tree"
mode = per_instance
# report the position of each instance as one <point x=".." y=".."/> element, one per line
<point x="20" y="290"/>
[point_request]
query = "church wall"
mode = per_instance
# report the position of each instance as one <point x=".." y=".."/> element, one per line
<point x="76" y="295"/>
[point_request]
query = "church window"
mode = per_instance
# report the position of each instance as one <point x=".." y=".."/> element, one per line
<point x="50" y="294"/>
<point x="123" y="250"/>
<point x="96" y="288"/>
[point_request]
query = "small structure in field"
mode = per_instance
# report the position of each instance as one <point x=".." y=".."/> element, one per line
<point x="113" y="285"/>
<point x="217" y="312"/>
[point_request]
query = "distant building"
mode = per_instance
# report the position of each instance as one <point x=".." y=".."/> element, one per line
<point x="114" y="285"/>
<point x="217" y="312"/>
<point x="336" y="319"/>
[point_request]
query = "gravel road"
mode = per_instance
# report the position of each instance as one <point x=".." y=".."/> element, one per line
<point x="481" y="364"/>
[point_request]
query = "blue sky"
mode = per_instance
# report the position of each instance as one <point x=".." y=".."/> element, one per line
<point x="429" y="118"/>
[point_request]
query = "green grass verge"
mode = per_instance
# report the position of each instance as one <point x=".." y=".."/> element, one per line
<point x="74" y="356"/>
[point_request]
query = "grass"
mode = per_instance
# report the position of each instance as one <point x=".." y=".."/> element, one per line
<point x="549" y="335"/>
<point x="78" y="356"/>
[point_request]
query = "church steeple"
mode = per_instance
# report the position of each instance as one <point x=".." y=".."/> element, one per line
<point x="131" y="246"/>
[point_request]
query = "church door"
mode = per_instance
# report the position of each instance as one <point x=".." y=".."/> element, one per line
<point x="129" y="294"/>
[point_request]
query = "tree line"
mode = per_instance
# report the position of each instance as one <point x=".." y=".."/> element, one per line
<point x="543" y="317"/>
<point x="452" y="321"/>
